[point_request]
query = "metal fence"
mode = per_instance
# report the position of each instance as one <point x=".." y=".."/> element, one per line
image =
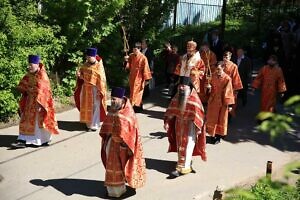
<point x="195" y="12"/>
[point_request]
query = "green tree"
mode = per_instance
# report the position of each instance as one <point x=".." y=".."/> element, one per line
<point x="82" y="23"/>
<point x="98" y="23"/>
<point x="60" y="30"/>
<point x="144" y="19"/>
<point x="22" y="34"/>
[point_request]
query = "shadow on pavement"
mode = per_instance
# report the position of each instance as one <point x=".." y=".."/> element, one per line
<point x="286" y="142"/>
<point x="163" y="166"/>
<point x="154" y="114"/>
<point x="6" y="140"/>
<point x="71" y="126"/>
<point x="159" y="135"/>
<point x="91" y="188"/>
<point x="158" y="97"/>
<point x="242" y="128"/>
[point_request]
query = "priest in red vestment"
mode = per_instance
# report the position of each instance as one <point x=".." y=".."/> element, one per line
<point x="271" y="81"/>
<point x="121" y="152"/>
<point x="38" y="122"/>
<point x="184" y="123"/>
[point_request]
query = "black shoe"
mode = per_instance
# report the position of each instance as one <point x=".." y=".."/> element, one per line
<point x="138" y="109"/>
<point x="174" y="174"/>
<point x="193" y="171"/>
<point x="217" y="139"/>
<point x="93" y="129"/>
<point x="210" y="140"/>
<point x="32" y="145"/>
<point x="46" y="144"/>
<point x="19" y="144"/>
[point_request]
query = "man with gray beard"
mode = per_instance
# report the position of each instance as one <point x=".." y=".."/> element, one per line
<point x="121" y="152"/>
<point x="184" y="123"/>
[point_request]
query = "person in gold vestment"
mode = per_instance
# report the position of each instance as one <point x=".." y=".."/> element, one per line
<point x="90" y="92"/>
<point x="191" y="65"/>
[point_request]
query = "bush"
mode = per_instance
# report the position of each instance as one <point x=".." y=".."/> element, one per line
<point x="8" y="105"/>
<point x="266" y="189"/>
<point x="68" y="83"/>
<point x="22" y="34"/>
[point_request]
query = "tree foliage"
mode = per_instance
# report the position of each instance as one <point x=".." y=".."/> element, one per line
<point x="277" y="124"/>
<point x="266" y="189"/>
<point x="60" y="30"/>
<point x="144" y="19"/>
<point x="22" y="34"/>
<point x="82" y="23"/>
<point x="262" y="12"/>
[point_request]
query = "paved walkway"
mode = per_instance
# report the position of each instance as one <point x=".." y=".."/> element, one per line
<point x="70" y="167"/>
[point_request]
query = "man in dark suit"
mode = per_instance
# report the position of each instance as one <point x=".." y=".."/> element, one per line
<point x="244" y="64"/>
<point x="150" y="56"/>
<point x="216" y="45"/>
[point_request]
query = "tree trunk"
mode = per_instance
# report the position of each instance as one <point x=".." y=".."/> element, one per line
<point x="223" y="19"/>
<point x="259" y="16"/>
<point x="175" y="14"/>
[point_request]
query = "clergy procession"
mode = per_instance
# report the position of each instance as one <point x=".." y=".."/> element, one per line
<point x="149" y="100"/>
<point x="204" y="90"/>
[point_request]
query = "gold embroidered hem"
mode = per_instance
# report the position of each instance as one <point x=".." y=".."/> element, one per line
<point x="92" y="76"/>
<point x="114" y="175"/>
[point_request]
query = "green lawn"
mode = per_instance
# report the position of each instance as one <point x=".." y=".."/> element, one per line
<point x="286" y="188"/>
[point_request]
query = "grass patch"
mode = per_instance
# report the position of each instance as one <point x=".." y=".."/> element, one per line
<point x="292" y="169"/>
<point x="266" y="189"/>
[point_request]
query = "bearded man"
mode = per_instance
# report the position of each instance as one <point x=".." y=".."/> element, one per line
<point x="184" y="123"/>
<point x="121" y="152"/>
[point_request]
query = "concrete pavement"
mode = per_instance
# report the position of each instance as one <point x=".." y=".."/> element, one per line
<point x="70" y="168"/>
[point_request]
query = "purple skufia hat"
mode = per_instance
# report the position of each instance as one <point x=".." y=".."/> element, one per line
<point x="118" y="92"/>
<point x="91" y="52"/>
<point x="35" y="59"/>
